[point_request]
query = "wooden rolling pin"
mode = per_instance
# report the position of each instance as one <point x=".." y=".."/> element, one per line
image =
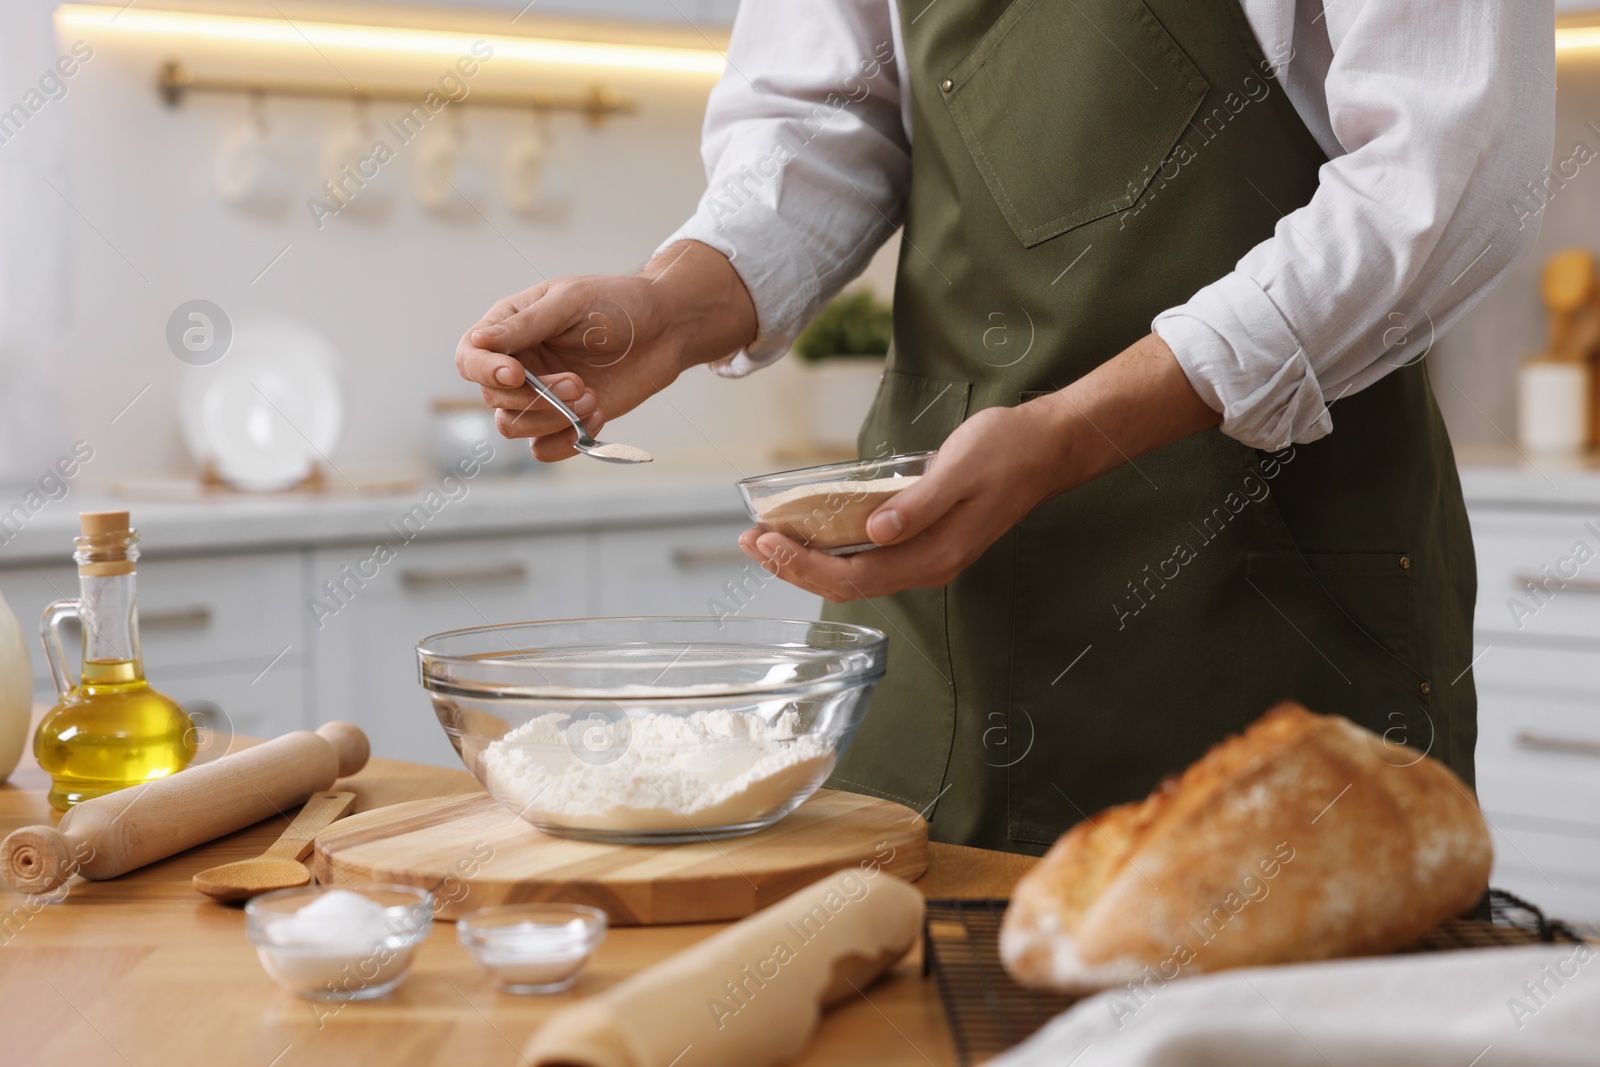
<point x="121" y="831"/>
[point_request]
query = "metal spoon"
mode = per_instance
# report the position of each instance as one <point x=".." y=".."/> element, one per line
<point x="585" y="443"/>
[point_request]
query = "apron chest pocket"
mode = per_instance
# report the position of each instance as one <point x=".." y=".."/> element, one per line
<point x="1070" y="107"/>
<point x="912" y="413"/>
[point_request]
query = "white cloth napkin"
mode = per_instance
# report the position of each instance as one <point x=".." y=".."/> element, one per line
<point x="1537" y="1006"/>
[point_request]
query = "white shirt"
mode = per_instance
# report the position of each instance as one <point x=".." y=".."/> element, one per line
<point x="1437" y="118"/>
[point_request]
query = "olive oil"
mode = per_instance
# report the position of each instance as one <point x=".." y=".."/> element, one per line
<point x="110" y="729"/>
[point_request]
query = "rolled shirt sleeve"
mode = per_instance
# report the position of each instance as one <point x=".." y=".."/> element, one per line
<point x="806" y="157"/>
<point x="1444" y="126"/>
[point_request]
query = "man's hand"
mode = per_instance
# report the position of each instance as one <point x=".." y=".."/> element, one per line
<point x="984" y="481"/>
<point x="996" y="468"/>
<point x="604" y="343"/>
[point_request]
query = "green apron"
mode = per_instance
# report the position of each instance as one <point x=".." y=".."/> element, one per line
<point x="1078" y="167"/>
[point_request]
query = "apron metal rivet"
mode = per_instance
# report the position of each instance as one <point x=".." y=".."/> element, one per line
<point x="1425" y="688"/>
<point x="1405" y="563"/>
<point x="946" y="85"/>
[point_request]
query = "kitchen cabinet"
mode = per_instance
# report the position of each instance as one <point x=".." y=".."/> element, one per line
<point x="1539" y="733"/>
<point x="265" y="703"/>
<point x="224" y="618"/>
<point x="1554" y="863"/>
<point x="363" y="654"/>
<point x="1538" y="577"/>
<point x="362" y="641"/>
<point x="1537" y="641"/>
<point x="272" y="614"/>
<point x="691" y="570"/>
<point x="262" y="642"/>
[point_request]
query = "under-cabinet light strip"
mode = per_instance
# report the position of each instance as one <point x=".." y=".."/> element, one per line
<point x="176" y="25"/>
<point x="1573" y="38"/>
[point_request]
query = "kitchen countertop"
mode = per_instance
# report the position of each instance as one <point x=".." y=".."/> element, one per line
<point x="1503" y="477"/>
<point x="141" y="970"/>
<point x="567" y="498"/>
<point x="601" y="495"/>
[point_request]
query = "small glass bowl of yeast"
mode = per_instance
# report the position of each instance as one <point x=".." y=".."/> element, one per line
<point x="532" y="948"/>
<point x="827" y="507"/>
<point x="339" y="942"/>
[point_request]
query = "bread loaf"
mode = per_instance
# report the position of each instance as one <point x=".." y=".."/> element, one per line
<point x="1305" y="838"/>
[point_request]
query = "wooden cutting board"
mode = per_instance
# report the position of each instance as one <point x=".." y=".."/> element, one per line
<point x="472" y="852"/>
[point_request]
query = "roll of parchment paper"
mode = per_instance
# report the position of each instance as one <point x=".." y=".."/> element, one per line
<point x="750" y="995"/>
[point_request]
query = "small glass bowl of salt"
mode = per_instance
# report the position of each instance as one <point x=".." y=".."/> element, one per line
<point x="339" y="942"/>
<point x="533" y="948"/>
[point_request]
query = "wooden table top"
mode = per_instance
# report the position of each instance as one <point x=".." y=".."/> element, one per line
<point x="141" y="971"/>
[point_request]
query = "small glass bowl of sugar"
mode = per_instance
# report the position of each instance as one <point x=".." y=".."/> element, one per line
<point x="339" y="942"/>
<point x="533" y="948"/>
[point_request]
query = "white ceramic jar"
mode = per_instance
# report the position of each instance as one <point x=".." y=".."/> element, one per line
<point x="1553" y="406"/>
<point x="16" y="691"/>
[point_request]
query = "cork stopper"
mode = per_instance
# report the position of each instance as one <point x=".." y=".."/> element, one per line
<point x="107" y="546"/>
<point x="94" y="523"/>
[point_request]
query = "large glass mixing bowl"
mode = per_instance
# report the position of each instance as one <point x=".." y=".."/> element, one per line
<point x="652" y="730"/>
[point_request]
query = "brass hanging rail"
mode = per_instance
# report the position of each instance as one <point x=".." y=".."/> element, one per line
<point x="175" y="81"/>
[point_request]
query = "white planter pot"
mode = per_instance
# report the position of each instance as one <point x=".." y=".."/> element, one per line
<point x="839" y="392"/>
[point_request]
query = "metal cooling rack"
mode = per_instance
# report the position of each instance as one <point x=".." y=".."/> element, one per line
<point x="989" y="1013"/>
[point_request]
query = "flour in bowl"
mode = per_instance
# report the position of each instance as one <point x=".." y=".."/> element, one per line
<point x="654" y="772"/>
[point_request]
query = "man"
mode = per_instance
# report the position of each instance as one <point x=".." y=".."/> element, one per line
<point x="1205" y="470"/>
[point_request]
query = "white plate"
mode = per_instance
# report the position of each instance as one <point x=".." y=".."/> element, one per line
<point x="267" y="413"/>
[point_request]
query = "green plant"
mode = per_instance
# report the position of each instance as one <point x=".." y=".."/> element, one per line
<point x="854" y="324"/>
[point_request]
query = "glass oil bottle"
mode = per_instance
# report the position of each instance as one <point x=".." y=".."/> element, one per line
<point x="110" y="729"/>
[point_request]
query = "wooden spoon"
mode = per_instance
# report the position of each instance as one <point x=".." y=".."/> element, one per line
<point x="1567" y="285"/>
<point x="280" y="866"/>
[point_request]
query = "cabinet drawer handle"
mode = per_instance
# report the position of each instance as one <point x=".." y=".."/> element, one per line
<point x="502" y="572"/>
<point x="196" y="617"/>
<point x="1573" y="585"/>
<point x="1577" y="746"/>
<point x="686" y="559"/>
